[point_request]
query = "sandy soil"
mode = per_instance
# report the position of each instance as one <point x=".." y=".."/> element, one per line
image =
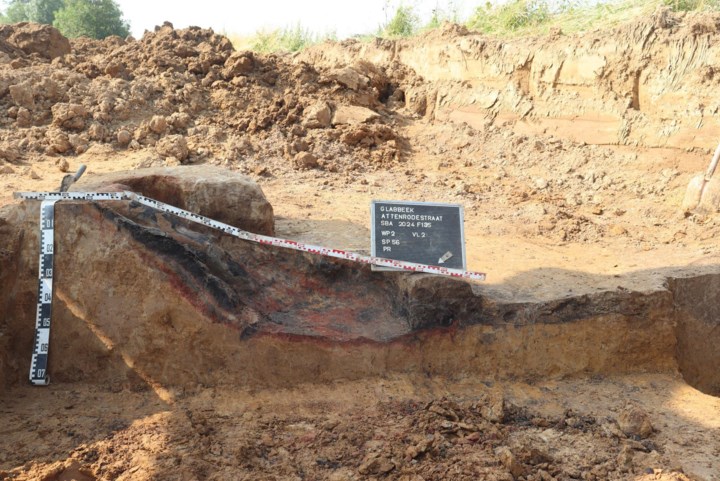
<point x="70" y="431"/>
<point x="547" y="217"/>
<point x="415" y="428"/>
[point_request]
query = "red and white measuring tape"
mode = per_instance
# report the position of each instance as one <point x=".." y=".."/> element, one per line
<point x="260" y="239"/>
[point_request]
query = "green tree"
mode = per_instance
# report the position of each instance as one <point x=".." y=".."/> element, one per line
<point x="39" y="11"/>
<point x="43" y="11"/>
<point x="17" y="11"/>
<point x="91" y="18"/>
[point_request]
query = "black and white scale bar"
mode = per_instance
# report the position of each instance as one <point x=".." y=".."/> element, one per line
<point x="73" y="195"/>
<point x="43" y="316"/>
<point x="274" y="241"/>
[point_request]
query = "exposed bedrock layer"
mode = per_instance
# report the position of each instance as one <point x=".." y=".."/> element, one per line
<point x="650" y="83"/>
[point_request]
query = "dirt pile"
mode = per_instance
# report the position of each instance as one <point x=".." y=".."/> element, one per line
<point x="34" y="40"/>
<point x="187" y="96"/>
<point x="342" y="110"/>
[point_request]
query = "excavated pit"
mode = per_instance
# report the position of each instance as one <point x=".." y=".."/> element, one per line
<point x="160" y="301"/>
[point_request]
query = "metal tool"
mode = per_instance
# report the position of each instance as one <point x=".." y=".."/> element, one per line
<point x="703" y="192"/>
<point x="70" y="179"/>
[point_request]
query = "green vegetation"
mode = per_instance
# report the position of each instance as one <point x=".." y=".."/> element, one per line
<point x="511" y="16"/>
<point x="509" y="19"/>
<point x="403" y="24"/>
<point x="288" y="39"/>
<point x="534" y="17"/>
<point x="531" y="17"/>
<point x="689" y="5"/>
<point x="91" y="18"/>
<point x="439" y="15"/>
<point x="40" y="11"/>
<point x="74" y="18"/>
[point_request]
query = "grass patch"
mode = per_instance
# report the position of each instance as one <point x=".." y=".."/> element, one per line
<point x="514" y="18"/>
<point x="288" y="39"/>
<point x="534" y="17"/>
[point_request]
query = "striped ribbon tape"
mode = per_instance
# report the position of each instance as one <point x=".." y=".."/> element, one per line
<point x="261" y="239"/>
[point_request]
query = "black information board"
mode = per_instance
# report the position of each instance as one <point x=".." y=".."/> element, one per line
<point x="420" y="232"/>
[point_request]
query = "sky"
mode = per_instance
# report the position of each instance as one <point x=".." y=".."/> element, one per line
<point x="345" y="18"/>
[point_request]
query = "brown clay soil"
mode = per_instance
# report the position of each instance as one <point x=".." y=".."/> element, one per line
<point x="570" y="154"/>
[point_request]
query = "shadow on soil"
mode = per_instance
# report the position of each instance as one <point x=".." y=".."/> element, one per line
<point x="465" y="331"/>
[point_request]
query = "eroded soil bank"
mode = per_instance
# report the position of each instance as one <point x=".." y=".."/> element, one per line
<point x="649" y="83"/>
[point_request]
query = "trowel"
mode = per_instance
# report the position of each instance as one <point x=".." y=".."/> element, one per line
<point x="70" y="179"/>
<point x="703" y="191"/>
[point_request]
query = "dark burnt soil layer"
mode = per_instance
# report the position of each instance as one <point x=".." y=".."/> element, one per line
<point x="179" y="304"/>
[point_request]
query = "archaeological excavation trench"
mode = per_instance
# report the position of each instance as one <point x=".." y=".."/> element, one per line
<point x="181" y="352"/>
<point x="142" y="297"/>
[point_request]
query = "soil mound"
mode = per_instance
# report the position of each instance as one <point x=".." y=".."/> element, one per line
<point x="34" y="40"/>
<point x="186" y="96"/>
<point x="210" y="191"/>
